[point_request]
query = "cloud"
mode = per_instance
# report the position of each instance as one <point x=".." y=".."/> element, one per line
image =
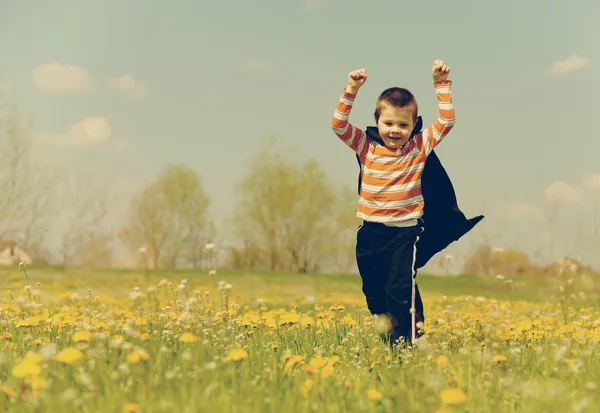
<point x="563" y="67"/>
<point x="592" y="181"/>
<point x="130" y="86"/>
<point x="58" y="77"/>
<point x="257" y="65"/>
<point x="562" y="192"/>
<point x="90" y="132"/>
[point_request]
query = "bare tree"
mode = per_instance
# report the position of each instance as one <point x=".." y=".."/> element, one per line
<point x="169" y="218"/>
<point x="23" y="183"/>
<point x="85" y="204"/>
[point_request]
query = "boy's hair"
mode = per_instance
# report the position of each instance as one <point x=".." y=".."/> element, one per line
<point x="396" y="97"/>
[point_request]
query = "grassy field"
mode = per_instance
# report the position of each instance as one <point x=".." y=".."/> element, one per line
<point x="125" y="341"/>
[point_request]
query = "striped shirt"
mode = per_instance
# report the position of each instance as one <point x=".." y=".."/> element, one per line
<point x="391" y="181"/>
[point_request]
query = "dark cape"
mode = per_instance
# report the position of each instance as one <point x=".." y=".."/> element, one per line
<point x="443" y="221"/>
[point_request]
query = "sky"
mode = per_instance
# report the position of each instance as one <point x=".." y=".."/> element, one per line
<point x="124" y="88"/>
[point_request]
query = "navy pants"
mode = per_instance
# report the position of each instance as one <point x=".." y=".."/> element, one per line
<point x="386" y="261"/>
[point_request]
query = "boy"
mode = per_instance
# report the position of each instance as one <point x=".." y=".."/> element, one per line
<point x="391" y="201"/>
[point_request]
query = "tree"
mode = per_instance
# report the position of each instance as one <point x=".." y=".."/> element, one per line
<point x="487" y="261"/>
<point x="292" y="214"/>
<point x="85" y="204"/>
<point x="24" y="183"/>
<point x="169" y="218"/>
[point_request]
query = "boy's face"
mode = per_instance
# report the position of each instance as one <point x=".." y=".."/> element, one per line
<point x="395" y="125"/>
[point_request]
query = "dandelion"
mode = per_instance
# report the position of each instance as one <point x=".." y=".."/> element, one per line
<point x="69" y="355"/>
<point x="374" y="395"/>
<point x="499" y="358"/>
<point x="237" y="354"/>
<point x="130" y="408"/>
<point x="453" y="396"/>
<point x="441" y="362"/>
<point x="188" y="337"/>
<point x="81" y="336"/>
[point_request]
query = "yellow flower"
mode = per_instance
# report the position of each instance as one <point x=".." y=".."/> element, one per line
<point x="133" y="357"/>
<point x="441" y="362"/>
<point x="130" y="408"/>
<point x="499" y="358"/>
<point x="82" y="335"/>
<point x="8" y="391"/>
<point x="26" y="368"/>
<point x="373" y="395"/>
<point x="237" y="354"/>
<point x="308" y="384"/>
<point x="327" y="371"/>
<point x="317" y="362"/>
<point x="453" y="396"/>
<point x="69" y="355"/>
<point x="188" y="338"/>
<point x="332" y="360"/>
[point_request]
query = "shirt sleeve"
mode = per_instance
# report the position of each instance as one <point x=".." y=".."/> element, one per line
<point x="436" y="132"/>
<point x="352" y="136"/>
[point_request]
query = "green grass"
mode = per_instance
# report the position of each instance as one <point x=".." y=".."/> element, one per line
<point x="525" y="348"/>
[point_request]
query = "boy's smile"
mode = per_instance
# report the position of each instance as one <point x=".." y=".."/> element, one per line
<point x="395" y="125"/>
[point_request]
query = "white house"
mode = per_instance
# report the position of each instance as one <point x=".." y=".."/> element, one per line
<point x="11" y="253"/>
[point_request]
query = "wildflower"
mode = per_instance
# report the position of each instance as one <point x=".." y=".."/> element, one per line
<point x="308" y="384"/>
<point x="27" y="367"/>
<point x="453" y="396"/>
<point x="81" y="335"/>
<point x="133" y="357"/>
<point x="441" y="362"/>
<point x="188" y="338"/>
<point x="7" y="390"/>
<point x="130" y="408"/>
<point x="237" y="354"/>
<point x="69" y="355"/>
<point x="327" y="372"/>
<point x="499" y="358"/>
<point x="373" y="395"/>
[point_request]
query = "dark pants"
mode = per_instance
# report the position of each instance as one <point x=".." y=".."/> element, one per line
<point x="385" y="257"/>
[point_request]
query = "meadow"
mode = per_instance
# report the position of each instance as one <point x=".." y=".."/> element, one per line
<point x="188" y="341"/>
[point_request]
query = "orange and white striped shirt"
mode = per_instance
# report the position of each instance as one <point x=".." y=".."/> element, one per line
<point x="391" y="181"/>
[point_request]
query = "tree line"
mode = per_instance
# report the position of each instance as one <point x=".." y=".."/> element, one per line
<point x="287" y="217"/>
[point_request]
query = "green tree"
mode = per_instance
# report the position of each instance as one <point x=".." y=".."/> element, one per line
<point x="292" y="215"/>
<point x="169" y="218"/>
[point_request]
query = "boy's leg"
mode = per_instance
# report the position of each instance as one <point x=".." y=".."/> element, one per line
<point x="371" y="261"/>
<point x="399" y="287"/>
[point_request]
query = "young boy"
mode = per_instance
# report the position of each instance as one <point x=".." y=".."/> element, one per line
<point x="391" y="201"/>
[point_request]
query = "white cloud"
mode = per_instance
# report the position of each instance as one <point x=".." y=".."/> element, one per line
<point x="562" y="192"/>
<point x="58" y="77"/>
<point x="592" y="181"/>
<point x="257" y="65"/>
<point x="90" y="132"/>
<point x="562" y="67"/>
<point x="130" y="86"/>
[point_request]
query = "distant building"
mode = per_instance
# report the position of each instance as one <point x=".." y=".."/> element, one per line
<point x="11" y="253"/>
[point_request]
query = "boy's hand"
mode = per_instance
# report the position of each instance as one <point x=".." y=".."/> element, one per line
<point x="440" y="70"/>
<point x="356" y="79"/>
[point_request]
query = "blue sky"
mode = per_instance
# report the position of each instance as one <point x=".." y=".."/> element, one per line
<point x="139" y="84"/>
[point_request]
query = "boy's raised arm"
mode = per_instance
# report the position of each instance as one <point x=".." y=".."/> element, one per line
<point x="436" y="132"/>
<point x="348" y="133"/>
